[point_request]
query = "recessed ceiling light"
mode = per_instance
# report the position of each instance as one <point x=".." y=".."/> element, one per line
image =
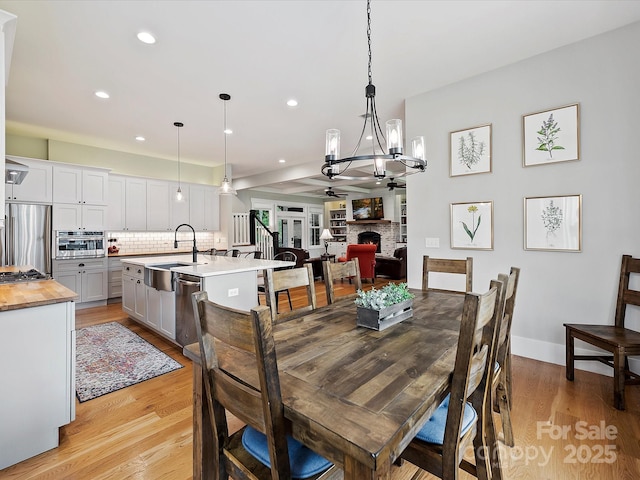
<point x="146" y="37"/>
<point x="368" y="137"/>
<point x="140" y="138"/>
<point x="282" y="160"/>
<point x="292" y="103"/>
<point x="228" y="131"/>
<point x="102" y="94"/>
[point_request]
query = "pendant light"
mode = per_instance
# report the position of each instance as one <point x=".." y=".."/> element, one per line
<point x="225" y="187"/>
<point x="179" y="196"/>
<point x="331" y="166"/>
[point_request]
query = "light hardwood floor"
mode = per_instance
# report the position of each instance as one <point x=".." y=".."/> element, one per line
<point x="144" y="431"/>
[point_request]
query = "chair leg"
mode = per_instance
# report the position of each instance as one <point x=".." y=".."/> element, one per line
<point x="570" y="355"/>
<point x="505" y="414"/>
<point x="618" y="379"/>
<point x="289" y="297"/>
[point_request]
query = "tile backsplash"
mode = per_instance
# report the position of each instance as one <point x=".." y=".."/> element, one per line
<point x="160" y="242"/>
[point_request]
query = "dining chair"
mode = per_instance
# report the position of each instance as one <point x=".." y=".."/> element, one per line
<point x="286" y="257"/>
<point x="263" y="448"/>
<point x="460" y="421"/>
<point x="501" y="384"/>
<point x="232" y="253"/>
<point x="276" y="281"/>
<point x="253" y="254"/>
<point x="619" y="341"/>
<point x="334" y="271"/>
<point x="447" y="265"/>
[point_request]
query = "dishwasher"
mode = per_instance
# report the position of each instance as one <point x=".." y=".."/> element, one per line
<point x="186" y="285"/>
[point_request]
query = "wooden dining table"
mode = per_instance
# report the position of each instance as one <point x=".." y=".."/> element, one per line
<point x="355" y="395"/>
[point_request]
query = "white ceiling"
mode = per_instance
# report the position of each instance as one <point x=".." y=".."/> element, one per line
<point x="262" y="53"/>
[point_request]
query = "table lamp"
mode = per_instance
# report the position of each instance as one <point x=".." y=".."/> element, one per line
<point x="326" y="236"/>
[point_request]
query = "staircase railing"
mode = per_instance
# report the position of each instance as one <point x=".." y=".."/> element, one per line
<point x="264" y="239"/>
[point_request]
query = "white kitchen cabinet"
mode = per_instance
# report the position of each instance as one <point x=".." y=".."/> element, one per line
<point x="179" y="209"/>
<point x="158" y="206"/>
<point x="204" y="208"/>
<point x="80" y="185"/>
<point x="134" y="297"/>
<point x="114" y="278"/>
<point x="79" y="217"/>
<point x="37" y="186"/>
<point x="160" y="314"/>
<point x="87" y="277"/>
<point x="38" y="354"/>
<point x="127" y="208"/>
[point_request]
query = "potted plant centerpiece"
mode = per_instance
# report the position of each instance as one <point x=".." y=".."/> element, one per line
<point x="381" y="308"/>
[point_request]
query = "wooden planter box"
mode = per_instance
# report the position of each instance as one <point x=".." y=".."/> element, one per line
<point x="381" y="319"/>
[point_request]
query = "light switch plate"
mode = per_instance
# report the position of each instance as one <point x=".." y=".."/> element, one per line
<point x="432" y="242"/>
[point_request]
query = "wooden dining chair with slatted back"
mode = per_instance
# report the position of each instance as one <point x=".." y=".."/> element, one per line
<point x="280" y="280"/>
<point x="460" y="421"/>
<point x="619" y="341"/>
<point x="501" y="401"/>
<point x="262" y="449"/>
<point x="285" y="257"/>
<point x="334" y="271"/>
<point x="447" y="265"/>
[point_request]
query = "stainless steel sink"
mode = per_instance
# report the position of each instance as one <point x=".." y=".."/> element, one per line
<point x="161" y="277"/>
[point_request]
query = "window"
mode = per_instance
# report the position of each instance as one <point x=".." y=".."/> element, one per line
<point x="315" y="228"/>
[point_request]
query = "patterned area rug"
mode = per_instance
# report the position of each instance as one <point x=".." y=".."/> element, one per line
<point x="110" y="357"/>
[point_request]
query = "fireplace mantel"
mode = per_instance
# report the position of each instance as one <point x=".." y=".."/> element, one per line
<point x="366" y="222"/>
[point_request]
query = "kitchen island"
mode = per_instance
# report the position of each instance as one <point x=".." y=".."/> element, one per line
<point x="37" y="366"/>
<point x="228" y="281"/>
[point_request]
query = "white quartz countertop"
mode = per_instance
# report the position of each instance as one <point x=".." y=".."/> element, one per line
<point x="209" y="265"/>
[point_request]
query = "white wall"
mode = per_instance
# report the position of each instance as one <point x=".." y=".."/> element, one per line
<point x="603" y="75"/>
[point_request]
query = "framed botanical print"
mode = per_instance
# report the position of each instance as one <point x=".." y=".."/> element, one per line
<point x="551" y="136"/>
<point x="553" y="223"/>
<point x="472" y="225"/>
<point x="470" y="151"/>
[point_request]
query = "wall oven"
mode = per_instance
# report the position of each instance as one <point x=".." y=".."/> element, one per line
<point x="79" y="244"/>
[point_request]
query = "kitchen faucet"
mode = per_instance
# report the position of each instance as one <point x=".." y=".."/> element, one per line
<point x="175" y="240"/>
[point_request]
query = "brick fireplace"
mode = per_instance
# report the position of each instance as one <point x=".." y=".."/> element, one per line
<point x="389" y="233"/>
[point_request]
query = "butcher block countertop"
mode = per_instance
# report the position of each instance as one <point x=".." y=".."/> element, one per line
<point x="32" y="293"/>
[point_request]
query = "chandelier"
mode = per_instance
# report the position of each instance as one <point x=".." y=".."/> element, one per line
<point x="393" y="139"/>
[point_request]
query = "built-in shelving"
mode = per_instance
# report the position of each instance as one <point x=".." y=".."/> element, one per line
<point x="338" y="224"/>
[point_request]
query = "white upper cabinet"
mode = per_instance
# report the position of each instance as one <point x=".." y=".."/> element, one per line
<point x="204" y="208"/>
<point x="179" y="209"/>
<point x="80" y="185"/>
<point x="37" y="186"/>
<point x="127" y="203"/>
<point x="158" y="204"/>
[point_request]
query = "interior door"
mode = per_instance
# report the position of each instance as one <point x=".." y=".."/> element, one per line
<point x="291" y="230"/>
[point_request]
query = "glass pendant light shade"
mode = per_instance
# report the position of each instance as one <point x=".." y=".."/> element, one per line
<point x="379" y="167"/>
<point x="226" y="185"/>
<point x="394" y="136"/>
<point x="332" y="147"/>
<point x="417" y="148"/>
<point x="178" y="195"/>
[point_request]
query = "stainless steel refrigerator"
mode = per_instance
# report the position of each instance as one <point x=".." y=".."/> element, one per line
<point x="27" y="236"/>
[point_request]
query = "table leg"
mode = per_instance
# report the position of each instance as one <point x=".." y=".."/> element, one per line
<point x="354" y="470"/>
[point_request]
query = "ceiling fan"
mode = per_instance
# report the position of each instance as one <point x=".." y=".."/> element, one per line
<point x="330" y="193"/>
<point x="393" y="185"/>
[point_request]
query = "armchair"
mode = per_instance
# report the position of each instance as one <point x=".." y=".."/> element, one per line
<point x="393" y="267"/>
<point x="366" y="255"/>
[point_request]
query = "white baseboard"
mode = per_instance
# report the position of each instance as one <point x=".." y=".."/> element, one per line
<point x="555" y="353"/>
